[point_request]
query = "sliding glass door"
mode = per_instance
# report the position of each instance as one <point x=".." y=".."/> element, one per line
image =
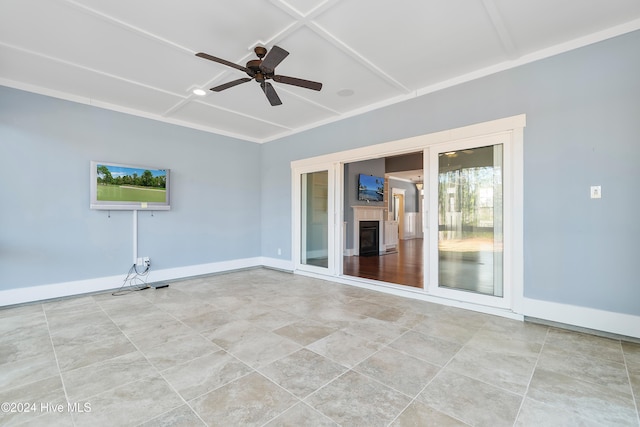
<point x="468" y="213"/>
<point x="314" y="251"/>
<point x="315" y="219"/>
<point x="470" y="220"/>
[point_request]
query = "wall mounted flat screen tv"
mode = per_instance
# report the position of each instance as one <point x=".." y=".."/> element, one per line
<point x="370" y="188"/>
<point x="128" y="187"/>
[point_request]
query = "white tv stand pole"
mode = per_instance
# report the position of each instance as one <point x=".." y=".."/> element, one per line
<point x="135" y="237"/>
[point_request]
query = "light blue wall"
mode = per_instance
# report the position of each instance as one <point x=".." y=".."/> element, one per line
<point x="583" y="129"/>
<point x="232" y="199"/>
<point x="48" y="234"/>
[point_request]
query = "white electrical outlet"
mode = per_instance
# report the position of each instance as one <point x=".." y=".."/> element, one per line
<point x="279" y="251"/>
<point x="596" y="192"/>
<point x="146" y="261"/>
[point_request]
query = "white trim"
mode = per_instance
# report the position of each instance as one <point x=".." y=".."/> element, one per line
<point x="416" y="143"/>
<point x="99" y="284"/>
<point x="333" y="227"/>
<point x="203" y="269"/>
<point x="584" y="317"/>
<point x="516" y="250"/>
<point x="509" y="127"/>
<point x="363" y="213"/>
<point x="403" y="193"/>
<point x="278" y="264"/>
<point x="568" y="46"/>
<point x="126" y="110"/>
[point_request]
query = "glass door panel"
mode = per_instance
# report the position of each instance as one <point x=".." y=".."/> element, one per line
<point x="470" y="220"/>
<point x="314" y="220"/>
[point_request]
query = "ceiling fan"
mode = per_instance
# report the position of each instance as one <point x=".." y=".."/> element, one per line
<point x="262" y="70"/>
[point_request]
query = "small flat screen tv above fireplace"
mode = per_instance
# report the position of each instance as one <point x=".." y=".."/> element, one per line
<point x="370" y="188"/>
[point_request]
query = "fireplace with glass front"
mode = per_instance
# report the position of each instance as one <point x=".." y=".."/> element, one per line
<point x="369" y="244"/>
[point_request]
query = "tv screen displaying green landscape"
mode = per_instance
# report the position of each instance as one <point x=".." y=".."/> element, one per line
<point x="127" y="187"/>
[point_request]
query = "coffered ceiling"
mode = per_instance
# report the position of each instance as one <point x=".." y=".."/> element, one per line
<point x="139" y="57"/>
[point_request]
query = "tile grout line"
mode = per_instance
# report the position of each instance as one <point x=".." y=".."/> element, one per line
<point x="55" y="355"/>
<point x="151" y="364"/>
<point x="256" y="371"/>
<point x="633" y="395"/>
<point x="352" y="369"/>
<point x="589" y="381"/>
<point x="533" y="371"/>
<point x="252" y="370"/>
<point x="296" y="398"/>
<point x="435" y="376"/>
<point x="411" y="399"/>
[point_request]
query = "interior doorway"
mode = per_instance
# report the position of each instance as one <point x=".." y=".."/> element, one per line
<point x="398" y="212"/>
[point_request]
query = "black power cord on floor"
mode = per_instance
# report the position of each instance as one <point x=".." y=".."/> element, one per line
<point x="137" y="281"/>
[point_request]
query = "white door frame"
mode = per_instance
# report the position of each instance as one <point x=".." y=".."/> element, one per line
<point x="514" y="261"/>
<point x="297" y="211"/>
<point x="401" y="221"/>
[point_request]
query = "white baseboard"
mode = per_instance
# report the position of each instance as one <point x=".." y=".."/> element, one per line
<point x="79" y="287"/>
<point x="278" y="264"/>
<point x="203" y="269"/>
<point x="59" y="290"/>
<point x="583" y="317"/>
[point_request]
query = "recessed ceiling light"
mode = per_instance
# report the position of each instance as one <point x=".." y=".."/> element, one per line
<point x="199" y="92"/>
<point x="345" y="92"/>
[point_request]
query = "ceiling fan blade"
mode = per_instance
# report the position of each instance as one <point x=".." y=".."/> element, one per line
<point x="273" y="58"/>
<point x="308" y="84"/>
<point x="221" y="61"/>
<point x="272" y="96"/>
<point x="230" y="84"/>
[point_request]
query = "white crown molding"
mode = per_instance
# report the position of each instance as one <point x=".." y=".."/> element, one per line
<point x="503" y="66"/>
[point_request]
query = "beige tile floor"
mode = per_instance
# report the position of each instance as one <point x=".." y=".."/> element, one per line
<point x="266" y="348"/>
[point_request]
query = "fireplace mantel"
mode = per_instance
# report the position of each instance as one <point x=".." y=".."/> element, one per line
<point x="367" y="213"/>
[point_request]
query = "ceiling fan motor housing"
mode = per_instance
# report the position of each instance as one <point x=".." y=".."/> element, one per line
<point x="253" y="70"/>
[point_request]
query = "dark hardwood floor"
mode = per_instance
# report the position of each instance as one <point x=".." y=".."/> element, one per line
<point x="403" y="267"/>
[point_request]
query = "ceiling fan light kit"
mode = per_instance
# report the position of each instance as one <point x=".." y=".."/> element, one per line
<point x="262" y="70"/>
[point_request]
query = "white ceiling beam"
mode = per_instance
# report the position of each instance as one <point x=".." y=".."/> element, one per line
<point x="129" y="27"/>
<point x="308" y="21"/>
<point x="501" y="29"/>
<point x="353" y="54"/>
<point x="295" y="13"/>
<point x="89" y="69"/>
